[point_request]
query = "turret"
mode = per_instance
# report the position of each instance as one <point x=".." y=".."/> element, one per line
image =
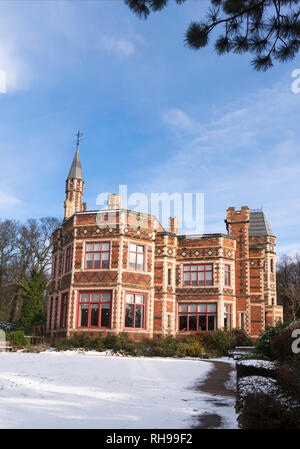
<point x="74" y="186"/>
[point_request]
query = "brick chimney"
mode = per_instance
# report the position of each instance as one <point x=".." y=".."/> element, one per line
<point x="173" y="225"/>
<point x="114" y="201"/>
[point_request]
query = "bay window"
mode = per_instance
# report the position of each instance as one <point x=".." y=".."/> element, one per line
<point x="227" y="316"/>
<point x="136" y="256"/>
<point x="227" y="275"/>
<point x="94" y="309"/>
<point x="201" y="274"/>
<point x="135" y="310"/>
<point x="97" y="255"/>
<point x="197" y="317"/>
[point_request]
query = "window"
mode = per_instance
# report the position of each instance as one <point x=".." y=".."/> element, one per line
<point x="242" y="320"/>
<point x="50" y="312"/>
<point x="63" y="310"/>
<point x="169" y="276"/>
<point x="55" y="313"/>
<point x="94" y="309"/>
<point x="135" y="311"/>
<point x="136" y="257"/>
<point x="97" y="255"/>
<point x="197" y="317"/>
<point x="198" y="274"/>
<point x="227" y="316"/>
<point x="169" y="320"/>
<point x="272" y="266"/>
<point x="227" y="275"/>
<point x="54" y="267"/>
<point x="68" y="259"/>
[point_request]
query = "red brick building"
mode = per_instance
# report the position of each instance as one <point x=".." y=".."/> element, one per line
<point x="119" y="272"/>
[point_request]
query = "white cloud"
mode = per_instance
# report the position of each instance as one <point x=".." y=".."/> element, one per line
<point x="120" y="47"/>
<point x="248" y="154"/>
<point x="7" y="201"/>
<point x="16" y="74"/>
<point x="254" y="137"/>
<point x="179" y="121"/>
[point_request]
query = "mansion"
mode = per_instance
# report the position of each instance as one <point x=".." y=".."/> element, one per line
<point x="116" y="271"/>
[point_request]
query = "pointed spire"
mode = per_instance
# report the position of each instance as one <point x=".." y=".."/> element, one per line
<point x="75" y="170"/>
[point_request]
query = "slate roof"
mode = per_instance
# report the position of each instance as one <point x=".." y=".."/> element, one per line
<point x="259" y="225"/>
<point x="75" y="170"/>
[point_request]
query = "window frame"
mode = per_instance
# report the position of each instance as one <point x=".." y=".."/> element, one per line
<point x="227" y="271"/>
<point x="228" y="314"/>
<point x="170" y="280"/>
<point x="68" y="259"/>
<point x="54" y="266"/>
<point x="134" y="309"/>
<point x="190" y="271"/>
<point x="242" y="321"/>
<point x="89" y="302"/>
<point x="63" y="310"/>
<point x="136" y="253"/>
<point x="56" y="313"/>
<point x="93" y="252"/>
<point x="50" y="313"/>
<point x="197" y="313"/>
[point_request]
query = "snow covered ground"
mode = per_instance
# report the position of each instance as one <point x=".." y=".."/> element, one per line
<point x="72" y="390"/>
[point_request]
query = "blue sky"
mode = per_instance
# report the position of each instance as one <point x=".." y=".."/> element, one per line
<point x="155" y="115"/>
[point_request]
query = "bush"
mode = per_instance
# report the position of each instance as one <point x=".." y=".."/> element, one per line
<point x="281" y="346"/>
<point x="17" y="338"/>
<point x="256" y="368"/>
<point x="190" y="350"/>
<point x="200" y="344"/>
<point x="219" y="341"/>
<point x="262" y="411"/>
<point x="263" y="345"/>
<point x="241" y="338"/>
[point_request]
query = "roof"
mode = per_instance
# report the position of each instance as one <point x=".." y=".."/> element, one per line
<point x="198" y="236"/>
<point x="259" y="225"/>
<point x="75" y="170"/>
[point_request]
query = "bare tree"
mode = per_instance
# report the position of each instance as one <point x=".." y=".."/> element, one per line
<point x="288" y="286"/>
<point x="23" y="248"/>
<point x="9" y="232"/>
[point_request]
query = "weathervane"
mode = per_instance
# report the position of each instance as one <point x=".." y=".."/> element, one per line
<point x="78" y="135"/>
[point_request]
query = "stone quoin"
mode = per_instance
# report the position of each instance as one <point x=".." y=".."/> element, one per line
<point x="116" y="271"/>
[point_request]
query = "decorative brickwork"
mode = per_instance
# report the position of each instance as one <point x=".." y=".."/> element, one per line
<point x="156" y="282"/>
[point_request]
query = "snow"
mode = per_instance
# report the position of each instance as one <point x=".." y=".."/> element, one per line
<point x="74" y="389"/>
<point x="265" y="364"/>
<point x="256" y="384"/>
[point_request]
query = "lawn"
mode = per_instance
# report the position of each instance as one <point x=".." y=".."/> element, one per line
<point x="71" y="390"/>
